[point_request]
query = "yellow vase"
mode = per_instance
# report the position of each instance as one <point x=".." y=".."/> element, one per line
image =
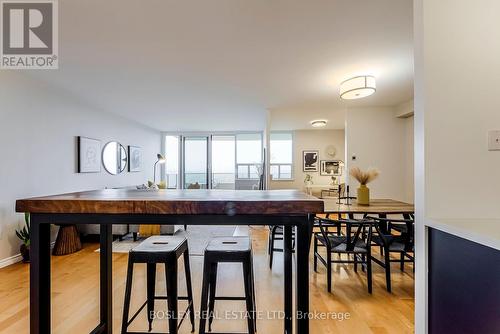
<point x="363" y="195"/>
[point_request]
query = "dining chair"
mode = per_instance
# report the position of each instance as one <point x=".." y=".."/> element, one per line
<point x="276" y="234"/>
<point x="344" y="194"/>
<point x="355" y="242"/>
<point x="394" y="236"/>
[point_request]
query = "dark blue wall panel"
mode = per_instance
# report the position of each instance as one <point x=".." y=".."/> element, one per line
<point x="464" y="286"/>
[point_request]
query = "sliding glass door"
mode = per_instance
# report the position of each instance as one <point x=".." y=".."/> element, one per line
<point x="249" y="160"/>
<point x="173" y="164"/>
<point x="195" y="162"/>
<point x="223" y="162"/>
<point x="213" y="161"/>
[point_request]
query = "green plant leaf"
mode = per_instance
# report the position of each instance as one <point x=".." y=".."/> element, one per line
<point x="24" y="233"/>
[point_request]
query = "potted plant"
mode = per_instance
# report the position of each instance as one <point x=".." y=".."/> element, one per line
<point x="24" y="235"/>
<point x="364" y="178"/>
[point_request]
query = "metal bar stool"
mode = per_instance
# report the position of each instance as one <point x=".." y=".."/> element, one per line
<point x="227" y="249"/>
<point x="154" y="250"/>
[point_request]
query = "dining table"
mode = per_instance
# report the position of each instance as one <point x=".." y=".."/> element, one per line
<point x="288" y="208"/>
<point x="378" y="207"/>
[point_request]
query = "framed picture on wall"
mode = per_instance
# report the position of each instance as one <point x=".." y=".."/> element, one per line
<point x="135" y="159"/>
<point x="89" y="155"/>
<point x="310" y="160"/>
<point x="331" y="167"/>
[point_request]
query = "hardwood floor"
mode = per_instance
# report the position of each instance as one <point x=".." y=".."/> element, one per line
<point x="75" y="295"/>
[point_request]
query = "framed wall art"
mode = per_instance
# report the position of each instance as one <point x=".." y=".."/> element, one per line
<point x="331" y="167"/>
<point x="89" y="155"/>
<point x="135" y="159"/>
<point x="310" y="161"/>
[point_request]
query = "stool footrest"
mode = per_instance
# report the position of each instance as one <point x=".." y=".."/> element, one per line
<point x="166" y="297"/>
<point x="228" y="333"/>
<point x="146" y="332"/>
<point x="159" y="298"/>
<point x="136" y="313"/>
<point x="230" y="298"/>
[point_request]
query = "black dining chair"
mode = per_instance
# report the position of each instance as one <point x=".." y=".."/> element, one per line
<point x="355" y="242"/>
<point x="344" y="195"/>
<point x="394" y="236"/>
<point x="276" y="234"/>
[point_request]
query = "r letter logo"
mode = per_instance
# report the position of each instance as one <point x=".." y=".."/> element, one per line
<point x="29" y="38"/>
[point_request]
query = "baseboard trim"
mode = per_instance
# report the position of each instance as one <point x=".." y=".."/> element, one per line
<point x="17" y="258"/>
<point x="10" y="260"/>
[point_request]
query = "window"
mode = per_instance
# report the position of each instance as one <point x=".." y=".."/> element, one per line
<point x="248" y="155"/>
<point x="281" y="150"/>
<point x="172" y="164"/>
<point x="195" y="163"/>
<point x="213" y="160"/>
<point x="223" y="161"/>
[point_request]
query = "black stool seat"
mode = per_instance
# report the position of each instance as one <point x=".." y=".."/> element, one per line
<point x="160" y="244"/>
<point x="220" y="250"/>
<point x="229" y="244"/>
<point x="166" y="250"/>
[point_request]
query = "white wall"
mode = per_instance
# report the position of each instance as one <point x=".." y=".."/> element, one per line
<point x="378" y="139"/>
<point x="38" y="126"/>
<point x="457" y="100"/>
<point x="409" y="167"/>
<point x="312" y="140"/>
<point x="461" y="67"/>
<point x="405" y="109"/>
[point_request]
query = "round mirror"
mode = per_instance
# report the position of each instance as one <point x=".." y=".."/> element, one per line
<point x="114" y="157"/>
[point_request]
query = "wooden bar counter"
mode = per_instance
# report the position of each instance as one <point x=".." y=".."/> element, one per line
<point x="286" y="208"/>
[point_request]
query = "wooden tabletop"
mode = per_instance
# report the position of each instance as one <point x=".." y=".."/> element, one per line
<point x="193" y="202"/>
<point x="377" y="206"/>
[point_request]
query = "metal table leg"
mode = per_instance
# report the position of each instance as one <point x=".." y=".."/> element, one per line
<point x="39" y="276"/>
<point x="288" y="287"/>
<point x="303" y="235"/>
<point x="106" y="298"/>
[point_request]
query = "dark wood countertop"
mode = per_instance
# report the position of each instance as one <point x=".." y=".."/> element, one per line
<point x="377" y="206"/>
<point x="189" y="202"/>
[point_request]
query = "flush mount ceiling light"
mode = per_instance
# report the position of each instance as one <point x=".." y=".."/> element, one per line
<point x="319" y="123"/>
<point x="357" y="87"/>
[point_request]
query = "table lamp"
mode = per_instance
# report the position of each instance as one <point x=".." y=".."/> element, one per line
<point x="160" y="159"/>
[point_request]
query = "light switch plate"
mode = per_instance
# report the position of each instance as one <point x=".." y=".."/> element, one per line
<point x="494" y="141"/>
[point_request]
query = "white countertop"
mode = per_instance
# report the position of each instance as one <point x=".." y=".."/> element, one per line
<point x="482" y="231"/>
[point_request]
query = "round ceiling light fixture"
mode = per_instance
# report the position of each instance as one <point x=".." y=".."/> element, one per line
<point x="357" y="87"/>
<point x="319" y="123"/>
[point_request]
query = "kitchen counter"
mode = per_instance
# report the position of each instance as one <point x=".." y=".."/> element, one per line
<point x="482" y="231"/>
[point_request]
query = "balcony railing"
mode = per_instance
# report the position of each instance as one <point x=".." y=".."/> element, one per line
<point x="219" y="181"/>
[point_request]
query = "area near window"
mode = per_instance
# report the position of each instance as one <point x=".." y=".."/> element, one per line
<point x="213" y="161"/>
<point x="281" y="155"/>
<point x="172" y="148"/>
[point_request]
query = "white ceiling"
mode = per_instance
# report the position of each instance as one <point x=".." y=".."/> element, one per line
<point x="222" y="64"/>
